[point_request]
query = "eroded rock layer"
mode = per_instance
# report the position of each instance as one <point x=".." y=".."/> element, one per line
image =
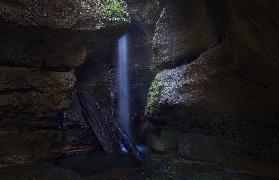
<point x="41" y="44"/>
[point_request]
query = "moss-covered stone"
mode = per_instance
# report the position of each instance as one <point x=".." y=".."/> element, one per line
<point x="112" y="10"/>
<point x="153" y="97"/>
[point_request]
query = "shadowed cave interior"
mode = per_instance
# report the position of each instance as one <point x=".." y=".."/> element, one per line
<point x="139" y="89"/>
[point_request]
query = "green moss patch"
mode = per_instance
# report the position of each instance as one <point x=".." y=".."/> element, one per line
<point x="153" y="97"/>
<point x="112" y="10"/>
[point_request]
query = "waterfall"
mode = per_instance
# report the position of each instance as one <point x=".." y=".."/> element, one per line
<point x="123" y="85"/>
<point x="114" y="136"/>
<point x="123" y="94"/>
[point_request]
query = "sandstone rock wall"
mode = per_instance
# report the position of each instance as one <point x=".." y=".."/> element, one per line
<point x="41" y="44"/>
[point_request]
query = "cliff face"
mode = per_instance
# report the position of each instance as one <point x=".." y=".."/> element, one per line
<point x="217" y="83"/>
<point x="42" y="43"/>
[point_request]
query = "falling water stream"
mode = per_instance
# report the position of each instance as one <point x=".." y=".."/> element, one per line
<point x="123" y="85"/>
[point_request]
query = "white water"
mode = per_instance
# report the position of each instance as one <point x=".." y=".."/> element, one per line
<point x="123" y="85"/>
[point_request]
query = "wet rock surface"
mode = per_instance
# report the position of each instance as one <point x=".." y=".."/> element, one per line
<point x="226" y="95"/>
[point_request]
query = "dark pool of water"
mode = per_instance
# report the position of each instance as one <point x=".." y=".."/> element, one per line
<point x="94" y="163"/>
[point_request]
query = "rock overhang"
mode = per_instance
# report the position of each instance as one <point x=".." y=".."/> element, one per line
<point x="86" y="15"/>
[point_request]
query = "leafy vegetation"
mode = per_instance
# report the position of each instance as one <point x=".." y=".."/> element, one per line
<point x="112" y="10"/>
<point x="153" y="97"/>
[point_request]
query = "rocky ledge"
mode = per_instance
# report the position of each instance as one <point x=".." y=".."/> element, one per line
<point x="41" y="44"/>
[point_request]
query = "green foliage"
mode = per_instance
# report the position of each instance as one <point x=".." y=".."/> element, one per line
<point x="153" y="97"/>
<point x="112" y="10"/>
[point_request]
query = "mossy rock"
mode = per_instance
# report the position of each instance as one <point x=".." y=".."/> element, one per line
<point x="112" y="10"/>
<point x="167" y="140"/>
<point x="153" y="97"/>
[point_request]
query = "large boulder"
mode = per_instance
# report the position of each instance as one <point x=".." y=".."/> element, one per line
<point x="228" y="91"/>
<point x="188" y="84"/>
<point x="183" y="31"/>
